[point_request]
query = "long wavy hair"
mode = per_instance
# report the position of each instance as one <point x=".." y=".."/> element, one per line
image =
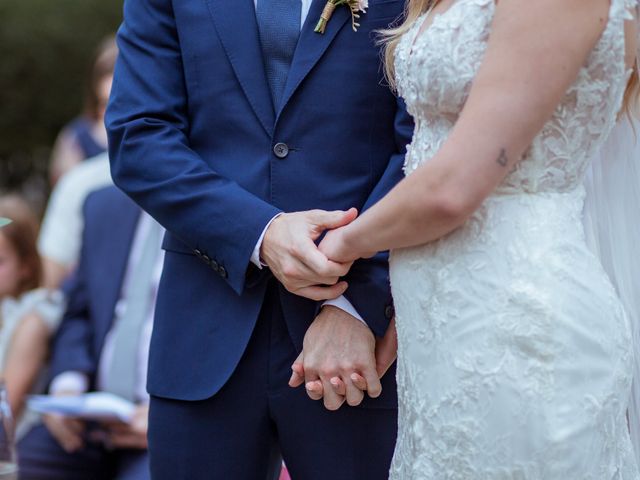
<point x="415" y="8"/>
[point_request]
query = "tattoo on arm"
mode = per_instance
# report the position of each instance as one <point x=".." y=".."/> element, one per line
<point x="502" y="159"/>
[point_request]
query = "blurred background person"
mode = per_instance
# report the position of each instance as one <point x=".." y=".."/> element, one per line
<point x="60" y="236"/>
<point x="85" y="137"/>
<point x="102" y="345"/>
<point x="57" y="61"/>
<point x="29" y="315"/>
<point x="81" y="150"/>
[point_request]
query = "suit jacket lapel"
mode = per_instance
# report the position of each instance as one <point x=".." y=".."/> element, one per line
<point x="235" y="22"/>
<point x="312" y="46"/>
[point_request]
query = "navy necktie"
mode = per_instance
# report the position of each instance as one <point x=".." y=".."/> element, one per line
<point x="279" y="26"/>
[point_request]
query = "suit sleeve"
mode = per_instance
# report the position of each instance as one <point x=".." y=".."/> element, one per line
<point x="369" y="290"/>
<point x="151" y="158"/>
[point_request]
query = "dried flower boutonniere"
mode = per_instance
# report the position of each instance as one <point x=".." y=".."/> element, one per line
<point x="356" y="7"/>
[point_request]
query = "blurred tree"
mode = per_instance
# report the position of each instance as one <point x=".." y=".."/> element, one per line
<point x="46" y="49"/>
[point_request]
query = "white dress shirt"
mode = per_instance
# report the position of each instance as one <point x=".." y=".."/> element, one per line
<point x="78" y="382"/>
<point x="340" y="302"/>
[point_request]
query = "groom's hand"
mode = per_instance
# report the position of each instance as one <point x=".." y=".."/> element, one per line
<point x="335" y="345"/>
<point x="288" y="249"/>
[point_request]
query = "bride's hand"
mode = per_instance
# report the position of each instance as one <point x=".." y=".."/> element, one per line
<point x="335" y="247"/>
<point x="386" y="354"/>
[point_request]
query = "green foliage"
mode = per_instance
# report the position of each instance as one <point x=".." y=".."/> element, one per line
<point x="46" y="49"/>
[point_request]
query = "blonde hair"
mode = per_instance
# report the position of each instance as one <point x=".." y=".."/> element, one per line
<point x="415" y="8"/>
<point x="391" y="37"/>
<point x="631" y="104"/>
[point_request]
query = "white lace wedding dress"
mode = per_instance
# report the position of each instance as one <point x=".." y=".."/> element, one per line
<point x="515" y="353"/>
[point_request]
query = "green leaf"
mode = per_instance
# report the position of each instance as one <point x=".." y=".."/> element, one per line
<point x="4" y="222"/>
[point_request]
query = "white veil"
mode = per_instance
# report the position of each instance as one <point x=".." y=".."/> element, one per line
<point x="612" y="227"/>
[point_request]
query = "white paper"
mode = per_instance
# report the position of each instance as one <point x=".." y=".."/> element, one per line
<point x="90" y="406"/>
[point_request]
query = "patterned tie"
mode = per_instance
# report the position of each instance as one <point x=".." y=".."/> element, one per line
<point x="122" y="374"/>
<point x="279" y="26"/>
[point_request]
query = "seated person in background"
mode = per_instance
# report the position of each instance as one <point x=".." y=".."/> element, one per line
<point x="26" y="312"/>
<point x="86" y="137"/>
<point x="61" y="232"/>
<point x="102" y="345"/>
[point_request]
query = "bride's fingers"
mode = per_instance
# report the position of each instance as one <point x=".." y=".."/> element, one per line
<point x="359" y="381"/>
<point x="332" y="401"/>
<point x="338" y="386"/>
<point x="354" y="394"/>
<point x="315" y="390"/>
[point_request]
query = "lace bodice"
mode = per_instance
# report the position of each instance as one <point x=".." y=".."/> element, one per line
<point x="435" y="72"/>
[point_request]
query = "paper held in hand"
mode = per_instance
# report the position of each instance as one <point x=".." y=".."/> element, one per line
<point x="91" y="406"/>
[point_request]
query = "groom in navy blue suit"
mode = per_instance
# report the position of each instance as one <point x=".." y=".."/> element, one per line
<point x="247" y="135"/>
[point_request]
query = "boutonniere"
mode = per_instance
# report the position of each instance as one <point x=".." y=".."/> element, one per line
<point x="355" y="6"/>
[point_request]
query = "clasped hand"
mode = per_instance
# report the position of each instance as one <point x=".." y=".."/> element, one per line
<point x="290" y="252"/>
<point x="341" y="359"/>
<point x="345" y="362"/>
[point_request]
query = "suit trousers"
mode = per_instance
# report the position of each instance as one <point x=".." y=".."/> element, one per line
<point x="256" y="420"/>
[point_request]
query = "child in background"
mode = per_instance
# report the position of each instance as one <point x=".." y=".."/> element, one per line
<point x="28" y="315"/>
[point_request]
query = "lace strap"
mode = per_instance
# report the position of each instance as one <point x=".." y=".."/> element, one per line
<point x="613" y="40"/>
<point x="622" y="10"/>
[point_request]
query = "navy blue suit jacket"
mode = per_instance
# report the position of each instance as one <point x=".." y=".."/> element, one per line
<point x="192" y="131"/>
<point x="93" y="290"/>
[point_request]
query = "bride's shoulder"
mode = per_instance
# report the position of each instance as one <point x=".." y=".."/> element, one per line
<point x="579" y="19"/>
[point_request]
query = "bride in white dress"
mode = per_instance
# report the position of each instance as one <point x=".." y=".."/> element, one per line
<point x="515" y="353"/>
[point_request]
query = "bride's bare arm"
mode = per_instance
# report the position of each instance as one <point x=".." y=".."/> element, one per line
<point x="534" y="54"/>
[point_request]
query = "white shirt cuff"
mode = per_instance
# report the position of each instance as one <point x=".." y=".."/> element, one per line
<point x="255" y="256"/>
<point x="69" y="382"/>
<point x="343" y="304"/>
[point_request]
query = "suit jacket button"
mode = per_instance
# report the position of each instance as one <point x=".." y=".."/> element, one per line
<point x="389" y="312"/>
<point x="223" y="272"/>
<point x="206" y="259"/>
<point x="197" y="252"/>
<point x="281" y="150"/>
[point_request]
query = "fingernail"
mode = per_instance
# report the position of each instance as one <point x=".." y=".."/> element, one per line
<point x="355" y="377"/>
<point x="335" y="382"/>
